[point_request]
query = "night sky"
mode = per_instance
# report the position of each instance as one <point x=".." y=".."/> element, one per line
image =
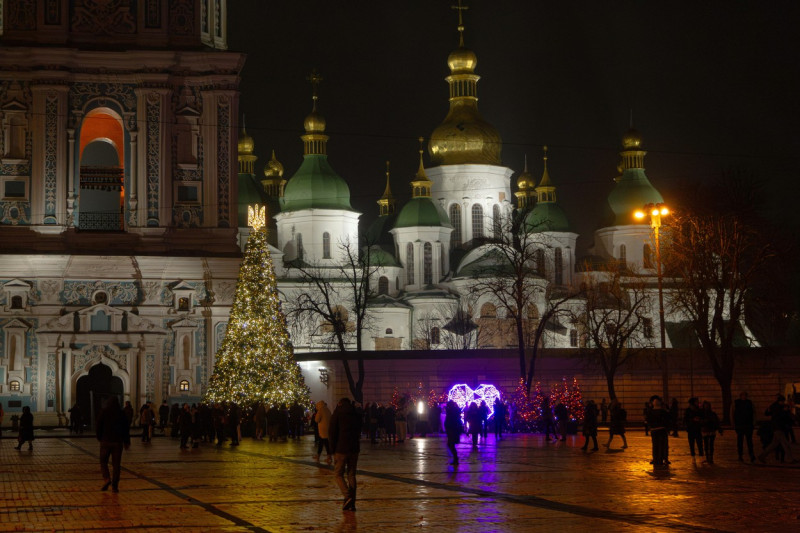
<point x="712" y="86"/>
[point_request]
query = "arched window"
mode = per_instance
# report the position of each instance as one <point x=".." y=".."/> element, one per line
<point x="488" y="311"/>
<point x="388" y="331"/>
<point x="427" y="264"/>
<point x="383" y="285"/>
<point x="14" y="386"/>
<point x="410" y="264"/>
<point x="16" y="302"/>
<point x="477" y="221"/>
<point x="559" y="267"/>
<point x="326" y="245"/>
<point x="647" y="256"/>
<point x="623" y="254"/>
<point x="299" y="239"/>
<point x="455" y="220"/>
<point x="497" y="223"/>
<point x="183" y="386"/>
<point x="435" y="335"/>
<point x="539" y="257"/>
<point x="573" y="338"/>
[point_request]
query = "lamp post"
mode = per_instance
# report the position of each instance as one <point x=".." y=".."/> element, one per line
<point x="655" y="212"/>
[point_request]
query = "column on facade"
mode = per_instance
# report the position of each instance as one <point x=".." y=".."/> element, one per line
<point x="49" y="154"/>
<point x="466" y="218"/>
<point x="220" y="138"/>
<point x="154" y="188"/>
<point x="133" y="219"/>
<point x="437" y="261"/>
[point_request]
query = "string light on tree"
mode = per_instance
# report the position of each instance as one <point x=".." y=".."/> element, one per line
<point x="256" y="359"/>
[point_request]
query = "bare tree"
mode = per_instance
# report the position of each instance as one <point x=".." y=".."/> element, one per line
<point x="512" y="276"/>
<point x="332" y="302"/>
<point x="615" y="319"/>
<point x="448" y="327"/>
<point x="717" y="254"/>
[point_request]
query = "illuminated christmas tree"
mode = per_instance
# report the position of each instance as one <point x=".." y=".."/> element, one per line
<point x="256" y="360"/>
<point x="575" y="401"/>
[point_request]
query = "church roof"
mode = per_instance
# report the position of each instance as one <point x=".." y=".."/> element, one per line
<point x="546" y="216"/>
<point x="316" y="185"/>
<point x="422" y="211"/>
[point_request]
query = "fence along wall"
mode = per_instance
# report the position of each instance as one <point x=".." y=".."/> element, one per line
<point x="761" y="372"/>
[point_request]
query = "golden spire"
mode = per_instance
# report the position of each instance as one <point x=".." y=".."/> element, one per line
<point x="545" y="192"/>
<point x="315" y="140"/>
<point x="632" y="153"/>
<point x="460" y="8"/>
<point x="386" y="203"/>
<point x="421" y="184"/>
<point x="525" y="185"/>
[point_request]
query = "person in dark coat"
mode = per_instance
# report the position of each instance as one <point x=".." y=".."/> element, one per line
<point x="185" y="423"/>
<point x="674" y="412"/>
<point x="389" y="423"/>
<point x="452" y="426"/>
<point x="617" y="422"/>
<point x="548" y="420"/>
<point x="693" y="420"/>
<point x="709" y="428"/>
<point x="113" y="432"/>
<point x="744" y="423"/>
<point x="473" y="416"/>
<point x="658" y="420"/>
<point x="163" y="416"/>
<point x="499" y="418"/>
<point x="344" y="434"/>
<point x="25" y="429"/>
<point x="590" y="425"/>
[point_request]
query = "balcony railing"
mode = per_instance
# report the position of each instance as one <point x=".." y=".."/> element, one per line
<point x="100" y="221"/>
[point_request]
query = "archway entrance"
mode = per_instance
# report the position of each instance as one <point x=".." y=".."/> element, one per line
<point x="94" y="388"/>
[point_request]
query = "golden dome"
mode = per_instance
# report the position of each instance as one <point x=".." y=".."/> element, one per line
<point x="525" y="180"/>
<point x="315" y="123"/>
<point x="273" y="168"/>
<point x="632" y="140"/>
<point x="246" y="144"/>
<point x="462" y="60"/>
<point x="464" y="137"/>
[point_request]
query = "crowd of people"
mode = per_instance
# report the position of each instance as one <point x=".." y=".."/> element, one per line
<point x="339" y="433"/>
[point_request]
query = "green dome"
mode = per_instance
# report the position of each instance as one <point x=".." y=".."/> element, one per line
<point x="633" y="191"/>
<point x="250" y="193"/>
<point x="422" y="211"/>
<point x="546" y="216"/>
<point x="380" y="256"/>
<point x="316" y="185"/>
<point x="378" y="231"/>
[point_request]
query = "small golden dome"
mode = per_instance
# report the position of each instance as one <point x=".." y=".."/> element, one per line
<point x="462" y="60"/>
<point x="246" y="144"/>
<point x="525" y="180"/>
<point x="314" y="123"/>
<point x="632" y="140"/>
<point x="273" y="168"/>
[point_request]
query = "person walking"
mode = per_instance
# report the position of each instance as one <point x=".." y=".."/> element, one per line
<point x="25" y="429"/>
<point x="400" y="420"/>
<point x="499" y="418"/>
<point x="483" y="409"/>
<point x="659" y="424"/>
<point x="674" y="411"/>
<point x="547" y="420"/>
<point x="453" y="428"/>
<point x="185" y="423"/>
<point x="590" y="425"/>
<point x="323" y="420"/>
<point x="562" y="416"/>
<point x="113" y="433"/>
<point x="692" y="420"/>
<point x="709" y="428"/>
<point x="260" y="419"/>
<point x="744" y="423"/>
<point x="473" y="416"/>
<point x="163" y="416"/>
<point x="618" y="418"/>
<point x="779" y="418"/>
<point x="344" y="433"/>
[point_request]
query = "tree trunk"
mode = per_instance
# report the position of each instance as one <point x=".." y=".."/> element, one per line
<point x="725" y="380"/>
<point x="612" y="393"/>
<point x="521" y="349"/>
<point x="531" y="369"/>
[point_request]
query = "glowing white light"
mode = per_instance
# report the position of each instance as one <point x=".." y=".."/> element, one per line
<point x="464" y="395"/>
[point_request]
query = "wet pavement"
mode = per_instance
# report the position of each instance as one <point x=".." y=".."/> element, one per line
<point x="519" y="484"/>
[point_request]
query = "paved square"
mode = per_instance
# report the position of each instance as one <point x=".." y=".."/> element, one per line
<point x="518" y="484"/>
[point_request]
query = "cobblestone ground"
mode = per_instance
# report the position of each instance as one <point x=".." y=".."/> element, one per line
<point x="519" y="484"/>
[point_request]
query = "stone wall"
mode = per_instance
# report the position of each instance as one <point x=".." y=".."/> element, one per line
<point x="760" y="372"/>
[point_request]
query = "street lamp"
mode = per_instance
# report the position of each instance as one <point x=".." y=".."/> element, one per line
<point x="655" y="212"/>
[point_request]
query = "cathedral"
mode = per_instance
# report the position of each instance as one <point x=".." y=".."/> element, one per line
<point x="124" y="185"/>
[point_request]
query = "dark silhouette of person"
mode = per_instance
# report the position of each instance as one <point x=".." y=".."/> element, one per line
<point x="344" y="434"/>
<point x="113" y="432"/>
<point x="743" y="423"/>
<point x="25" y="429"/>
<point x="453" y="428"/>
<point x="590" y="425"/>
<point x="693" y="420"/>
